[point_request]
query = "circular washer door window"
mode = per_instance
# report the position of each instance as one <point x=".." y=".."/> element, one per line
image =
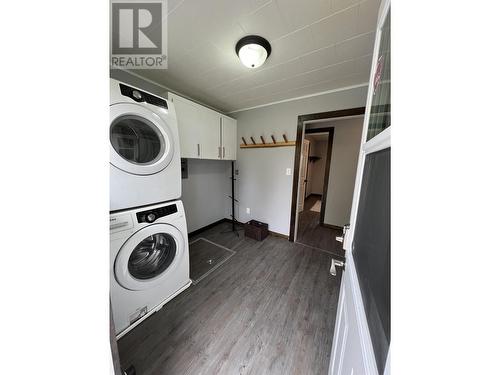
<point x="152" y="256"/>
<point x="149" y="256"/>
<point x="141" y="142"/>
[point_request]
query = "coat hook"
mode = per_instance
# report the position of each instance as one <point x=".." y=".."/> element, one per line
<point x="243" y="139"/>
<point x="274" y="140"/>
<point x="253" y="140"/>
<point x="284" y="137"/>
<point x="262" y="139"/>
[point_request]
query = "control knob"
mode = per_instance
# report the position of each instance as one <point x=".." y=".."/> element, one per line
<point x="137" y="94"/>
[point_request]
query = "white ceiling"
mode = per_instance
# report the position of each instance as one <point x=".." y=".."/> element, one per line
<point x="317" y="45"/>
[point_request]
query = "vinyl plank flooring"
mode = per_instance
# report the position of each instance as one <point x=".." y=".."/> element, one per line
<point x="269" y="309"/>
<point x="204" y="257"/>
<point x="311" y="233"/>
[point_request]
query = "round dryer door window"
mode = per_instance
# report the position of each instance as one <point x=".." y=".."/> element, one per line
<point x="149" y="256"/>
<point x="136" y="139"/>
<point x="140" y="140"/>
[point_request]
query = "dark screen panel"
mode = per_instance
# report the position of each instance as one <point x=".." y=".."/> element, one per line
<point x="372" y="250"/>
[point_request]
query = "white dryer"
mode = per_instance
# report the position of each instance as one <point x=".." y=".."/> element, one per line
<point x="149" y="263"/>
<point x="144" y="148"/>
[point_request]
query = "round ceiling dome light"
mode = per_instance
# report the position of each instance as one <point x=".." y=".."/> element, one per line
<point x="253" y="51"/>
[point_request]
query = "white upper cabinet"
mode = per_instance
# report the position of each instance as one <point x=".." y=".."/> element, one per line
<point x="204" y="133"/>
<point x="228" y="138"/>
<point x="209" y="133"/>
<point x="188" y="120"/>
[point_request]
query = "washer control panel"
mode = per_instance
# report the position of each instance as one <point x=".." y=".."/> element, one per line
<point x="118" y="223"/>
<point x="149" y="216"/>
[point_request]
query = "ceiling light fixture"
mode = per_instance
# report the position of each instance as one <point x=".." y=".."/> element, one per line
<point x="253" y="51"/>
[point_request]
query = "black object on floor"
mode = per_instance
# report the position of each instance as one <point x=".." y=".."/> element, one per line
<point x="205" y="257"/>
<point x="233" y="199"/>
<point x="256" y="230"/>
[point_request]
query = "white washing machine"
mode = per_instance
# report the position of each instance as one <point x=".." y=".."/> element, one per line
<point x="144" y="148"/>
<point x="149" y="263"/>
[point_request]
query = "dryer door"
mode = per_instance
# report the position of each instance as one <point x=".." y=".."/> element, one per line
<point x="141" y="142"/>
<point x="149" y="257"/>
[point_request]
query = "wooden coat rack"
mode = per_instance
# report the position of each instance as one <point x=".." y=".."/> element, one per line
<point x="254" y="144"/>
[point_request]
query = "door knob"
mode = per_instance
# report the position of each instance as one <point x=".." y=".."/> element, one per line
<point x="344" y="230"/>
<point x="335" y="263"/>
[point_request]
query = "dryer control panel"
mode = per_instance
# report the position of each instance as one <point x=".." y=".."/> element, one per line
<point x="141" y="96"/>
<point x="150" y="216"/>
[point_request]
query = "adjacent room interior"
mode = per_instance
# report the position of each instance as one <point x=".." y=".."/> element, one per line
<point x="326" y="174"/>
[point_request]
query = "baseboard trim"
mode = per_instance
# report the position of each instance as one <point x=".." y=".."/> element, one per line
<point x="280" y="235"/>
<point x="226" y="220"/>
<point x="331" y="226"/>
<point x="198" y="231"/>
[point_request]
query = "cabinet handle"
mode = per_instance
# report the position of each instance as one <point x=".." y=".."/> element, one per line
<point x="219" y="152"/>
<point x="223" y="152"/>
<point x="198" y="149"/>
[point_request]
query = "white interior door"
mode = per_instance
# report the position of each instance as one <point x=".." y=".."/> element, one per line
<point x="361" y="343"/>
<point x="304" y="160"/>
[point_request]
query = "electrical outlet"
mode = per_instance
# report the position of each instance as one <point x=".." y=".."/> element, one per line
<point x="289" y="171"/>
<point x="248" y="210"/>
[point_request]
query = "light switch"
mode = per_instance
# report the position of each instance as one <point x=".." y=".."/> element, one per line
<point x="289" y="171"/>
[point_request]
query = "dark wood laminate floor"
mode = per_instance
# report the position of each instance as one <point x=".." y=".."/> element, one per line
<point x="270" y="309"/>
<point x="204" y="257"/>
<point x="311" y="233"/>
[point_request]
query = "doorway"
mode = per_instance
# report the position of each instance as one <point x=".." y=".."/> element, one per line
<point x="325" y="164"/>
<point x="314" y="173"/>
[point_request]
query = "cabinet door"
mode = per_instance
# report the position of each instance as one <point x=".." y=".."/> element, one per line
<point x="209" y="134"/>
<point x="188" y="120"/>
<point x="229" y="141"/>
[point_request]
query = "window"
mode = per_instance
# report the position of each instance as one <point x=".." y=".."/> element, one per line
<point x="380" y="113"/>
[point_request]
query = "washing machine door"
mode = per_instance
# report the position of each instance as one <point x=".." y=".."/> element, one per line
<point x="149" y="257"/>
<point x="141" y="142"/>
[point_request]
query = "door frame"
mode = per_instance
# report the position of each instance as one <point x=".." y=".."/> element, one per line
<point x="301" y="120"/>
<point x="326" y="175"/>
<point x="305" y="179"/>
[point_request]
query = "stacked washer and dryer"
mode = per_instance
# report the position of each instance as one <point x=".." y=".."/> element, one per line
<point x="149" y="257"/>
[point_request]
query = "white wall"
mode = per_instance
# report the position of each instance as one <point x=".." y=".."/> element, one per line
<point x="205" y="192"/>
<point x="263" y="185"/>
<point x="346" y="143"/>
